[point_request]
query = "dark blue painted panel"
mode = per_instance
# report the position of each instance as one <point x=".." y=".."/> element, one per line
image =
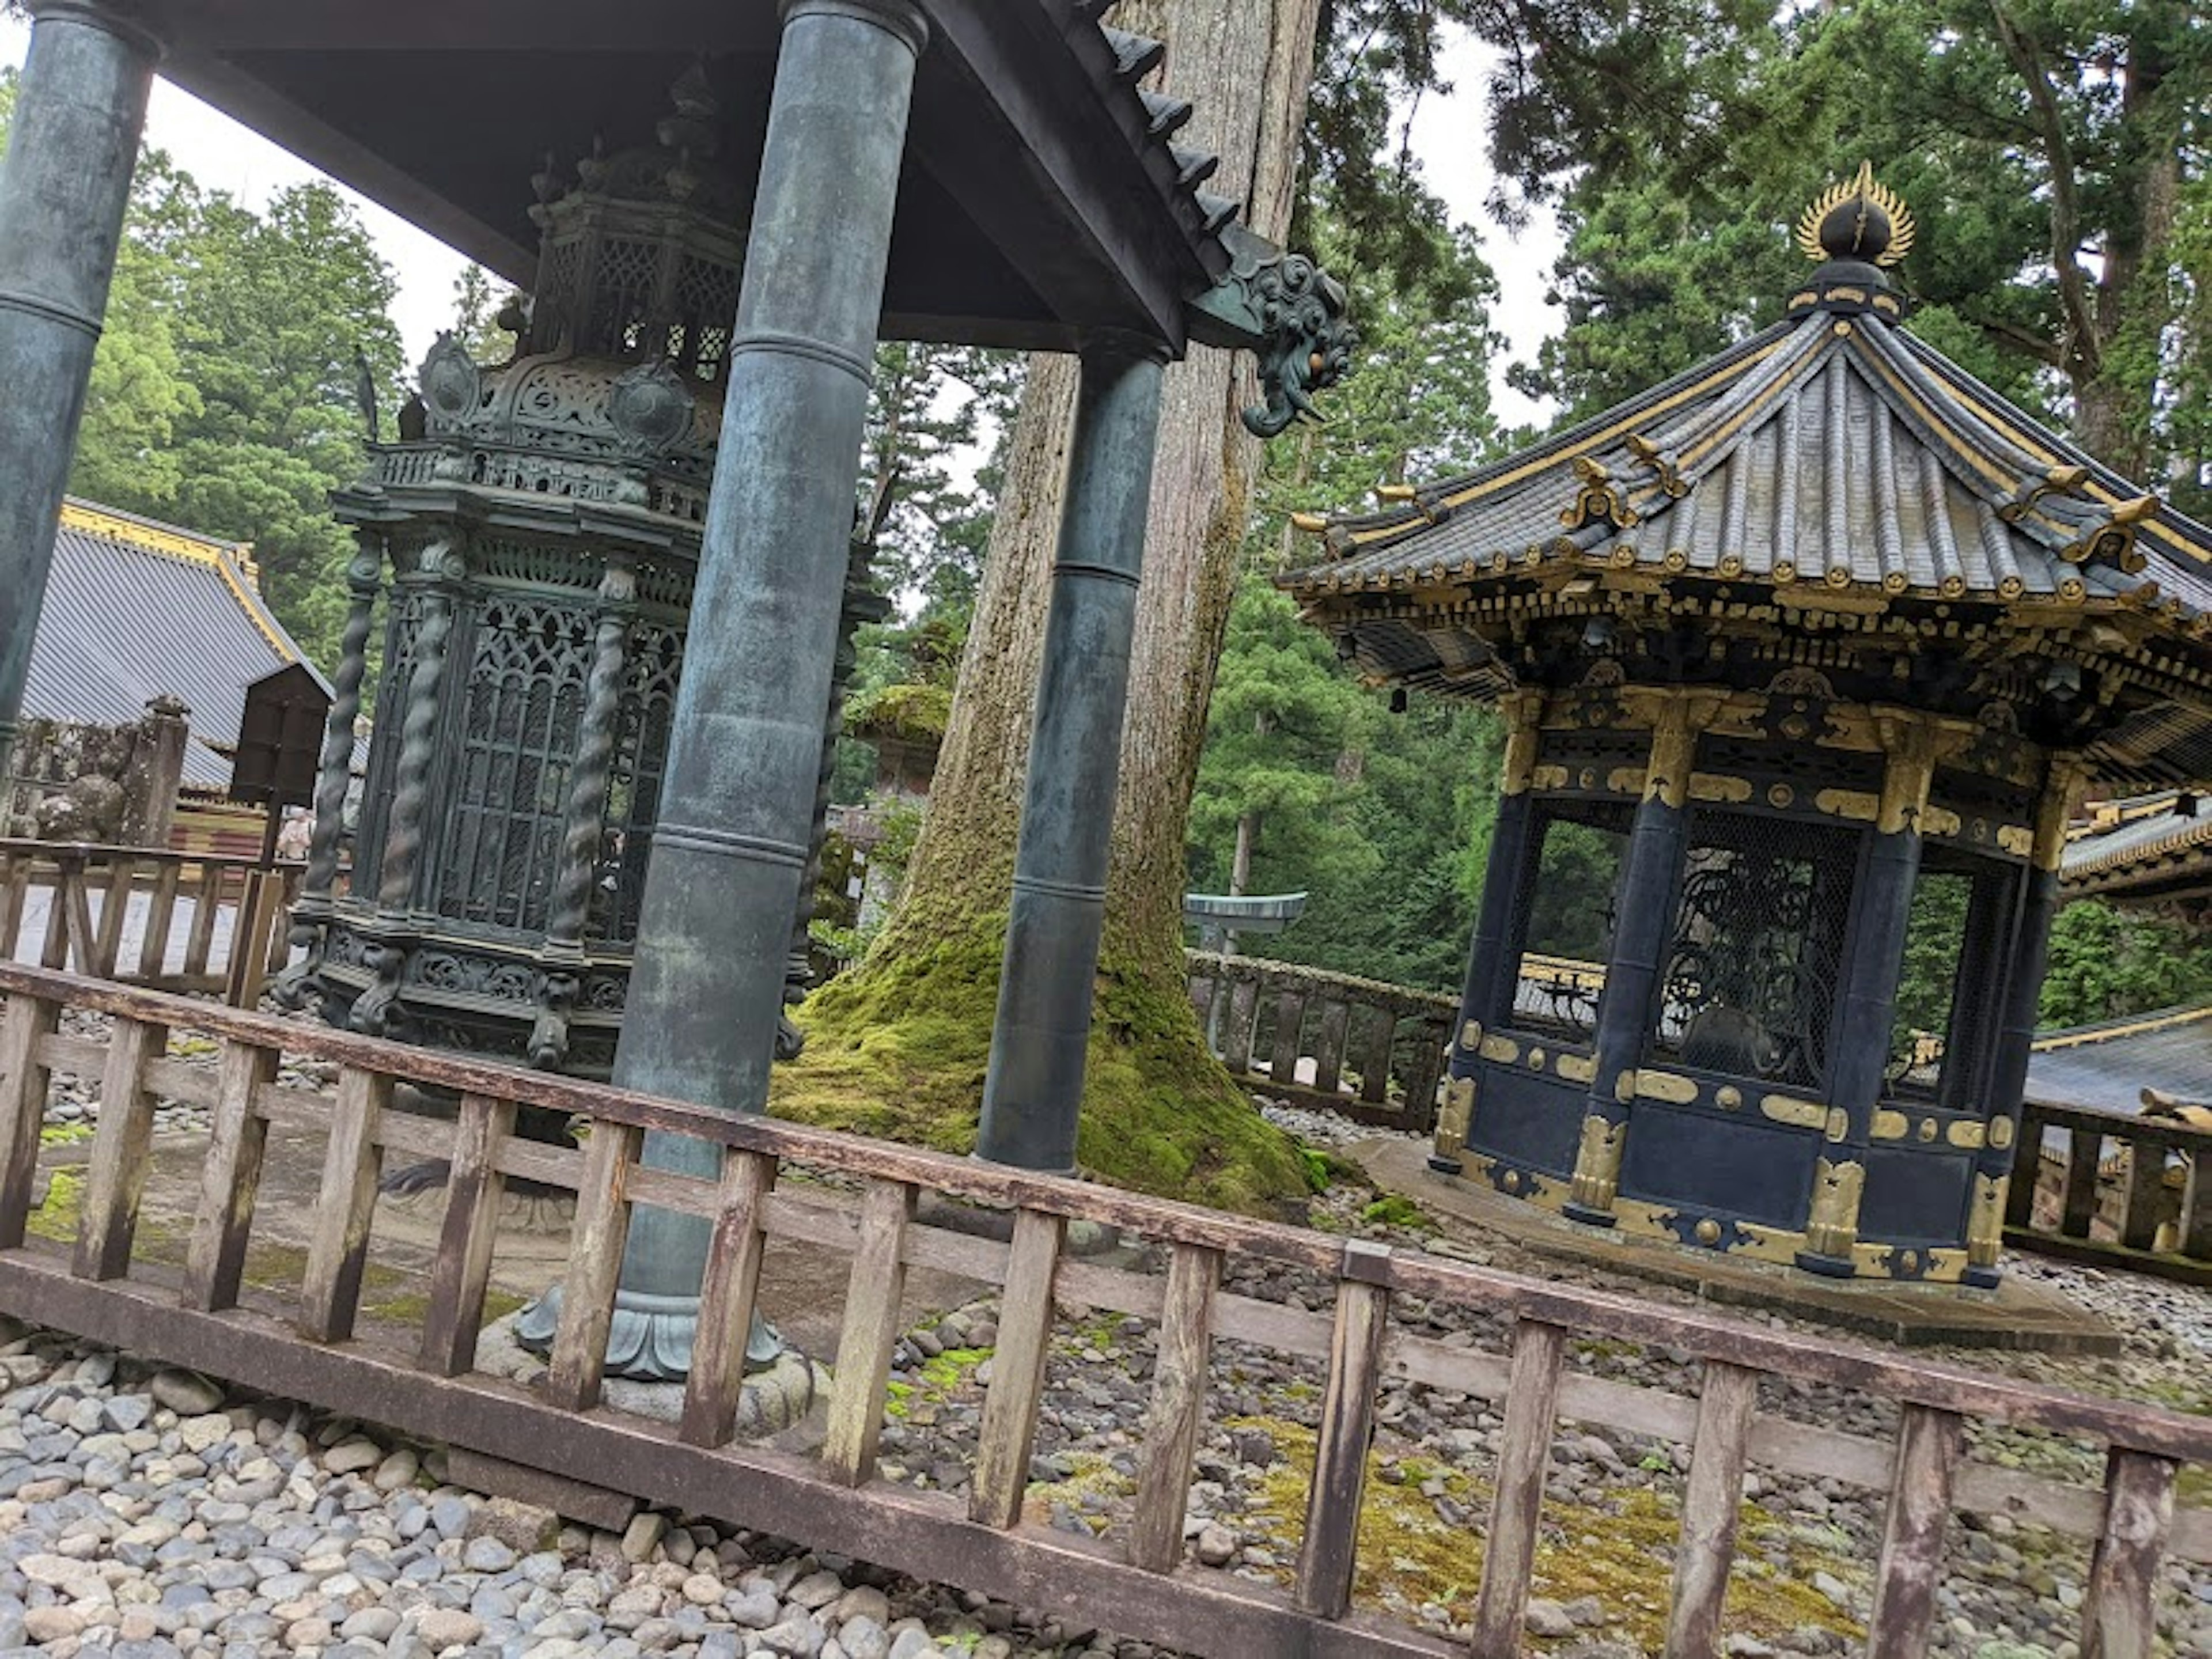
<point x="1916" y="1194"/>
<point x="1526" y="1118"/>
<point x="1734" y="1166"/>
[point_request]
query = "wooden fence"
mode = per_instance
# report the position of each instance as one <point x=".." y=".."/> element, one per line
<point x="315" y="1345"/>
<point x="2126" y="1192"/>
<point x="1373" y="1052"/>
<point x="150" y="916"/>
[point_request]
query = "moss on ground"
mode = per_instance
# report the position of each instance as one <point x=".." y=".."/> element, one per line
<point x="1397" y="1211"/>
<point x="898" y="1049"/>
<point x="1619" y="1549"/>
<point x="388" y="1295"/>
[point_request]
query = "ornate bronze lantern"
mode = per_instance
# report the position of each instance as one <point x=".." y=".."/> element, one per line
<point x="531" y="538"/>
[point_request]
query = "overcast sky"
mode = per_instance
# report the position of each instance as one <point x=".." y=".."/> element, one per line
<point x="1447" y="136"/>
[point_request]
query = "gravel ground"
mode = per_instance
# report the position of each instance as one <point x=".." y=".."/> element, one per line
<point x="144" y="1515"/>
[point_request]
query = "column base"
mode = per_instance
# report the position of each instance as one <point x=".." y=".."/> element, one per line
<point x="1451" y="1166"/>
<point x="1827" y="1267"/>
<point x="1588" y="1217"/>
<point x="1980" y="1279"/>
<point x="651" y="1338"/>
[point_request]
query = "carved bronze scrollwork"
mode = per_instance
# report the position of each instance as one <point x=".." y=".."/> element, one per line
<point x="1291" y="313"/>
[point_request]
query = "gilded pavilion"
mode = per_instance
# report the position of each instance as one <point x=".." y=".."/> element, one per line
<point x="1809" y="653"/>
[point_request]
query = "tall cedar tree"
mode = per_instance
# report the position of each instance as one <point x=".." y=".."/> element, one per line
<point x="899" y="1045"/>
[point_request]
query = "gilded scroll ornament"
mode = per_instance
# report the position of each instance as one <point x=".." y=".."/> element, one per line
<point x="1838" y="1187"/>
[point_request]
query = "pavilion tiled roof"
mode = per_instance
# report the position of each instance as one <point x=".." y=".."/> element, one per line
<point x="2154" y="843"/>
<point x="2109" y="1066"/>
<point x="137" y="610"/>
<point x="1832" y="462"/>
<point x="1819" y="450"/>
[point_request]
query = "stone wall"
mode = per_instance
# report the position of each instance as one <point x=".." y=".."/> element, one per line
<point x="115" y="785"/>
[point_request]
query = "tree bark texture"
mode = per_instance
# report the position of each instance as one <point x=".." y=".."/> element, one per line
<point x="1246" y="64"/>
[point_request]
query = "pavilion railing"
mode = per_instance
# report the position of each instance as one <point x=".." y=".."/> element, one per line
<point x="1374" y="1052"/>
<point x="2114" y="1189"/>
<point x="172" y="921"/>
<point x="1959" y="1441"/>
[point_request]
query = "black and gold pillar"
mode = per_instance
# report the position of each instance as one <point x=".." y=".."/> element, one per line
<point x="1645" y="916"/>
<point x="2023" y="991"/>
<point x="1859" y="1041"/>
<point x="1487" y="998"/>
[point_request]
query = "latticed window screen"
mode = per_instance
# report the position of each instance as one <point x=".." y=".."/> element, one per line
<point x="1562" y="935"/>
<point x="629" y="276"/>
<point x="1750" y="984"/>
<point x="509" y="799"/>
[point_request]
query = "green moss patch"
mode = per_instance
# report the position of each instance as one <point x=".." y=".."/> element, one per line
<point x="898" y="1049"/>
<point x="1619" y="1548"/>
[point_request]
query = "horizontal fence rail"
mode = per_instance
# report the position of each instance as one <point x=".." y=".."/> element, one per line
<point x="167" y="919"/>
<point x="1374" y="1052"/>
<point x="315" y="1345"/>
<point x="2114" y="1189"/>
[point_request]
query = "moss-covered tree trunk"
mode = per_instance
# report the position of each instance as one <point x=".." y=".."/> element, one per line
<point x="898" y="1045"/>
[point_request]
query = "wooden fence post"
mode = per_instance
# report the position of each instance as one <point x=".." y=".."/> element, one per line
<point x="230" y="1178"/>
<point x="1178" y="1409"/>
<point x="161" y="913"/>
<point x="122" y="1152"/>
<point x="1928" y="1447"/>
<point x="1010" y="1407"/>
<point x="1726" y="1405"/>
<point x="578" y="1362"/>
<point x="1347" y="1426"/>
<point x="474" y="1191"/>
<point x="23" y="1085"/>
<point x="727" y="1297"/>
<point x="2084" y="1147"/>
<point x="1524" y="1455"/>
<point x="871" y="1330"/>
<point x="338" y="1249"/>
<point x="2116" y="1609"/>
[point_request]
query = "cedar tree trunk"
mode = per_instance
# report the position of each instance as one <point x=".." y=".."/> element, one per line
<point x="897" y="1046"/>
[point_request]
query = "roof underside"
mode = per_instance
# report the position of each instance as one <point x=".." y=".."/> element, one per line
<point x="1827" y="462"/>
<point x="1040" y="198"/>
<point x="127" y="621"/>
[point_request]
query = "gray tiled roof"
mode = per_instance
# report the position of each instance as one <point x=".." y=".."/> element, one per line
<point x="135" y="609"/>
<point x="2152" y="836"/>
<point x="1839" y="450"/>
<point x="2109" y="1066"/>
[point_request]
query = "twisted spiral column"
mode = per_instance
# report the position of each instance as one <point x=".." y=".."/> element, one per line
<point x="312" y="915"/>
<point x="586" y="827"/>
<point x="373" y="1011"/>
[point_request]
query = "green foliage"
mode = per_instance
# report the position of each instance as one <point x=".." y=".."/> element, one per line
<point x="2054" y="154"/>
<point x="915" y="712"/>
<point x="225" y="393"/>
<point x="2107" y="963"/>
<point x="900" y="1052"/>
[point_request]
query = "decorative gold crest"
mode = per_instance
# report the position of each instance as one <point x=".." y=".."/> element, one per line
<point x="1863" y="189"/>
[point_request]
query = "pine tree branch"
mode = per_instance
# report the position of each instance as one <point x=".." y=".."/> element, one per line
<point x="2021" y="339"/>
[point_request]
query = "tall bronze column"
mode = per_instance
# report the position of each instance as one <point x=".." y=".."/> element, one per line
<point x="700" y="1023"/>
<point x="2023" y="993"/>
<point x="1643" y="921"/>
<point x="1486" y="998"/>
<point x="65" y="183"/>
<point x="1033" y="1092"/>
<point x="1858" y="1039"/>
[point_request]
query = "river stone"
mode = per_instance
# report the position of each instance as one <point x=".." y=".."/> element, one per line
<point x="186" y="1393"/>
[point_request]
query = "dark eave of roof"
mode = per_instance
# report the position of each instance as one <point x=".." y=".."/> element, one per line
<point x="1046" y="194"/>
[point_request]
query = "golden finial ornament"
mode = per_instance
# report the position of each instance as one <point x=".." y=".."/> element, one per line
<point x="1863" y="220"/>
